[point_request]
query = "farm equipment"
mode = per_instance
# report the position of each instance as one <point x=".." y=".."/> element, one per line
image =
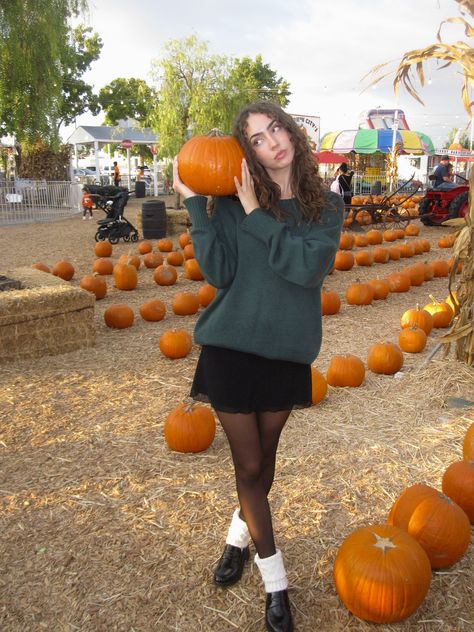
<point x="439" y="205"/>
<point x="384" y="210"/>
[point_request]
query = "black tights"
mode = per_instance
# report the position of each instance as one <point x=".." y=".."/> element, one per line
<point x="253" y="440"/>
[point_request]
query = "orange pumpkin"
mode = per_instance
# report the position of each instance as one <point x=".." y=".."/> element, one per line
<point x="119" y="316"/>
<point x="63" y="269"/>
<point x="330" y="302"/>
<point x="345" y="370"/>
<point x="417" y="317"/>
<point x="175" y="343"/>
<point x="374" y="236"/>
<point x="440" y="267"/>
<point x="319" y="386"/>
<point x="95" y="284"/>
<point x="130" y="259"/>
<point x="346" y="241"/>
<point x="412" y="339"/>
<point x="144" y="247"/>
<point x="103" y="266"/>
<point x="153" y="310"/>
<point x="412" y="230"/>
<point x="125" y="276"/>
<point x="381" y="254"/>
<point x="188" y="251"/>
<point x="190" y="427"/>
<point x="399" y="282"/>
<point x="458" y="484"/>
<point x="416" y="272"/>
<point x="394" y="252"/>
<point x="440" y="526"/>
<point x="381" y="288"/>
<point x="206" y="294"/>
<point x="165" y="275"/>
<point x="406" y="249"/>
<point x="402" y="509"/>
<point x="385" y="358"/>
<point x="192" y="270"/>
<point x="208" y="164"/>
<point x="447" y="241"/>
<point x="344" y="260"/>
<point x="185" y="304"/>
<point x="381" y="573"/>
<point x="175" y="258"/>
<point x="152" y="259"/>
<point x="359" y="294"/>
<point x="360" y="240"/>
<point x="42" y="267"/>
<point x="364" y="258"/>
<point x="468" y="444"/>
<point x="165" y="245"/>
<point x="183" y="239"/>
<point x="441" y="313"/>
<point x="389" y="235"/>
<point x="103" y="249"/>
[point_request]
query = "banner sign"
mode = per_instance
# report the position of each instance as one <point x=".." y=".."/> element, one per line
<point x="310" y="125"/>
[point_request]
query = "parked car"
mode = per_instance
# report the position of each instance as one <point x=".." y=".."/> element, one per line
<point x="81" y="174"/>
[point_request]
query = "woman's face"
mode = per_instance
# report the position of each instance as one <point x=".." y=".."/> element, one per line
<point x="270" y="141"/>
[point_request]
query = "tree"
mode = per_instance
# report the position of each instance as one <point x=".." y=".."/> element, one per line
<point x="199" y="91"/>
<point x="456" y="136"/>
<point x="250" y="80"/>
<point x="76" y="95"/>
<point x="33" y="41"/>
<point x="127" y="98"/>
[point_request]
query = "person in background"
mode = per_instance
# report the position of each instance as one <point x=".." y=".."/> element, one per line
<point x="267" y="250"/>
<point x="344" y="177"/>
<point x="116" y="174"/>
<point x="443" y="175"/>
<point x="87" y="204"/>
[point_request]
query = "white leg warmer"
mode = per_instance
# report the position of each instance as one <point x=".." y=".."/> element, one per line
<point x="273" y="572"/>
<point x="238" y="534"/>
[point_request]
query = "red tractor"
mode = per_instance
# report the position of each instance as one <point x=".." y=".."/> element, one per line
<point x="438" y="206"/>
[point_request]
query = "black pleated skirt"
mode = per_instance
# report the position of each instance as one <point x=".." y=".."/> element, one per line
<point x="238" y="382"/>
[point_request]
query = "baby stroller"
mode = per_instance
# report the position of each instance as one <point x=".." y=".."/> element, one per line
<point x="112" y="200"/>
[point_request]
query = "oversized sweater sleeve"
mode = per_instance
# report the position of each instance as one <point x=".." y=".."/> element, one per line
<point x="304" y="259"/>
<point x="213" y="240"/>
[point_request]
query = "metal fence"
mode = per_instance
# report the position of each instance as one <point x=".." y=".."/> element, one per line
<point x="24" y="201"/>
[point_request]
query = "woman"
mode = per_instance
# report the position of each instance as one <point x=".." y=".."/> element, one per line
<point x="267" y="251"/>
<point x="344" y="178"/>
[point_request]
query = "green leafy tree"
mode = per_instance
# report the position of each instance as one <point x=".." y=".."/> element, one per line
<point x="122" y="99"/>
<point x="199" y="91"/>
<point x="33" y="42"/>
<point x="251" y="80"/>
<point x="77" y="96"/>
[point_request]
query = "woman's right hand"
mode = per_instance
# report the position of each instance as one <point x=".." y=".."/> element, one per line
<point x="178" y="184"/>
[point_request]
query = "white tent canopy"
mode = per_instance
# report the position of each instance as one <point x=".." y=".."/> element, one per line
<point x="123" y="135"/>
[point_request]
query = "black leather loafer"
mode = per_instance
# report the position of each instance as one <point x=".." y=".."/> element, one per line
<point x="277" y="612"/>
<point x="231" y="565"/>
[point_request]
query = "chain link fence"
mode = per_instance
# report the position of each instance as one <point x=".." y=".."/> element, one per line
<point x="25" y="201"/>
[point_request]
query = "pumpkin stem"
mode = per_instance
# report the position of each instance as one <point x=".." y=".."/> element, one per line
<point x="215" y="132"/>
<point x="384" y="543"/>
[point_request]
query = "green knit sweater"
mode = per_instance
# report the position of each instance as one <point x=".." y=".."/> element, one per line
<point x="268" y="274"/>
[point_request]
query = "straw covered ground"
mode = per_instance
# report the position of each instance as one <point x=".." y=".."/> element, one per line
<point x="105" y="529"/>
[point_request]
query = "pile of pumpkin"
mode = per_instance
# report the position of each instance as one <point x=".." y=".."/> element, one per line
<point x="404" y="205"/>
<point x="382" y="572"/>
<point x="173" y="343"/>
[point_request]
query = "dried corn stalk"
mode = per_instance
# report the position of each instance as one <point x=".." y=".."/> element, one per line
<point x="462" y="331"/>
<point x="459" y="52"/>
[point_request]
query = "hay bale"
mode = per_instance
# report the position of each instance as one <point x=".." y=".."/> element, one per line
<point x="47" y="316"/>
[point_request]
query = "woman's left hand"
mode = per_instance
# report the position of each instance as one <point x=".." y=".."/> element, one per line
<point x="246" y="190"/>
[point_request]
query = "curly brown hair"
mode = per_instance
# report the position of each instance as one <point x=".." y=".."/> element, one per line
<point x="306" y="184"/>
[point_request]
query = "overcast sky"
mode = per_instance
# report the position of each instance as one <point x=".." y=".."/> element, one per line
<point x="323" y="48"/>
